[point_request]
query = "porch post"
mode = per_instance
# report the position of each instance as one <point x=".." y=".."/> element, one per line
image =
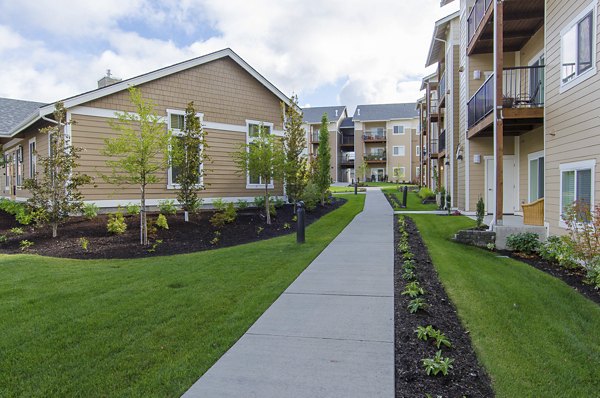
<point x="428" y="137"/>
<point x="498" y="123"/>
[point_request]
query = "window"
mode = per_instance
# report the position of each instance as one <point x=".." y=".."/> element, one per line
<point x="32" y="158"/>
<point x="253" y="130"/>
<point x="578" y="55"/>
<point x="418" y="171"/>
<point x="398" y="130"/>
<point x="576" y="183"/>
<point x="176" y="123"/>
<point x="536" y="176"/>
<point x="418" y="150"/>
<point x="399" y="150"/>
<point x="399" y="173"/>
<point x="19" y="165"/>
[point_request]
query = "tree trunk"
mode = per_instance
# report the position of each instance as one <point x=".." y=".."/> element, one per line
<point x="267" y="212"/>
<point x="186" y="216"/>
<point x="54" y="230"/>
<point x="144" y="221"/>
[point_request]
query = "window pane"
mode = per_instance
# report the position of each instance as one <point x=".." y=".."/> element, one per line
<point x="584" y="186"/>
<point x="584" y="56"/>
<point x="177" y="122"/>
<point x="254" y="129"/>
<point x="533" y="180"/>
<point x="567" y="189"/>
<point x="541" y="177"/>
<point x="569" y="54"/>
<point x="253" y="178"/>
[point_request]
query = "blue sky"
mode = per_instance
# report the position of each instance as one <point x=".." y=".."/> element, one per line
<point x="328" y="52"/>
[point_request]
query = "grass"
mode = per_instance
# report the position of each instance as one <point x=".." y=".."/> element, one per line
<point x="336" y="189"/>
<point x="413" y="201"/>
<point x="536" y="336"/>
<point x="144" y="327"/>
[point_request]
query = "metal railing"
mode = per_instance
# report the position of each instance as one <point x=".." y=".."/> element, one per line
<point x="376" y="157"/>
<point x="433" y="106"/>
<point x="442" y="141"/>
<point x="314" y="137"/>
<point x="523" y="87"/>
<point x="476" y="16"/>
<point x="442" y="87"/>
<point x="374" y="135"/>
<point x="347" y="140"/>
<point x="433" y="146"/>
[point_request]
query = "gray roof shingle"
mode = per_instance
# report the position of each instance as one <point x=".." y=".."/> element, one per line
<point x="314" y="115"/>
<point x="347" y="123"/>
<point x="14" y="112"/>
<point x="385" y="112"/>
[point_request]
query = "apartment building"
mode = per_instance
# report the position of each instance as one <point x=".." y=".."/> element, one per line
<point x="342" y="149"/>
<point x="528" y="105"/>
<point x="387" y="142"/>
<point x="232" y="100"/>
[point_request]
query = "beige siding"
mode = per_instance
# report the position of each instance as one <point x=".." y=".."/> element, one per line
<point x="528" y="143"/>
<point x="573" y="116"/>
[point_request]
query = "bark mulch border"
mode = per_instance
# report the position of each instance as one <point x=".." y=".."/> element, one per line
<point x="467" y="378"/>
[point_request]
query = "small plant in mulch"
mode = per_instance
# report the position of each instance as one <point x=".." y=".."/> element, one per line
<point x="116" y="224"/>
<point x="437" y="364"/>
<point x="161" y="222"/>
<point x="25" y="244"/>
<point x="428" y="332"/>
<point x="413" y="290"/>
<point x="17" y="231"/>
<point x="155" y="245"/>
<point x="84" y="243"/>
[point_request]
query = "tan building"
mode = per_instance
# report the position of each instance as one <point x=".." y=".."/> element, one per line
<point x="387" y="141"/>
<point x="231" y="98"/>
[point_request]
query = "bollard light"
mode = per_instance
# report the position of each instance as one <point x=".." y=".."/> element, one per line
<point x="300" y="210"/>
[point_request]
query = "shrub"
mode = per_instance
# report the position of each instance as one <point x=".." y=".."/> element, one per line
<point x="20" y="211"/>
<point x="132" y="209"/>
<point x="161" y="222"/>
<point x="480" y="212"/>
<point x="311" y="196"/>
<point x="90" y="210"/>
<point x="593" y="273"/>
<point x="25" y="244"/>
<point x="287" y="225"/>
<point x="3" y="238"/>
<point x="558" y="250"/>
<point x="279" y="203"/>
<point x="524" y="242"/>
<point x="84" y="243"/>
<point x="225" y="214"/>
<point x="242" y="204"/>
<point x="259" y="202"/>
<point x="17" y="231"/>
<point x="116" y="224"/>
<point x="167" y="207"/>
<point x="416" y="304"/>
<point x="437" y="364"/>
<point x="426" y="193"/>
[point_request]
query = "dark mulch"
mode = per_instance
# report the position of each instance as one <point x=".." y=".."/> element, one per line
<point x="572" y="277"/>
<point x="467" y="378"/>
<point x="393" y="200"/>
<point x="181" y="237"/>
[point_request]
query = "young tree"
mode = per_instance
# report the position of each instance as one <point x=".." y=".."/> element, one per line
<point x="140" y="153"/>
<point x="262" y="160"/>
<point x="362" y="170"/>
<point x="294" y="143"/>
<point x="55" y="191"/>
<point x="188" y="154"/>
<point x="323" y="177"/>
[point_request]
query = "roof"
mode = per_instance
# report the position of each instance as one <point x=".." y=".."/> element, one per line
<point x="147" y="77"/>
<point x="428" y="79"/>
<point x="347" y="123"/>
<point x="14" y="112"/>
<point x="445" y="2"/>
<point x="365" y="113"/>
<point x="314" y="115"/>
<point x="437" y="47"/>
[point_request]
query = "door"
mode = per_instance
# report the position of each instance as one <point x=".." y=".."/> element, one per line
<point x="510" y="200"/>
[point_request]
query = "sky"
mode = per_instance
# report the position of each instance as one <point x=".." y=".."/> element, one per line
<point x="328" y="52"/>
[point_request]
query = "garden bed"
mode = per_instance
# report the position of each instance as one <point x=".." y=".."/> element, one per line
<point x="572" y="277"/>
<point x="182" y="237"/>
<point x="467" y="378"/>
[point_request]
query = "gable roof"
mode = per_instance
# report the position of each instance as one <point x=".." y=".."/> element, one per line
<point x="147" y="77"/>
<point x="437" y="46"/>
<point x="314" y="115"/>
<point x="365" y="113"/>
<point x="347" y="123"/>
<point x="14" y="112"/>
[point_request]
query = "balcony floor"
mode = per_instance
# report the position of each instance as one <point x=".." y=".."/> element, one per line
<point x="517" y="121"/>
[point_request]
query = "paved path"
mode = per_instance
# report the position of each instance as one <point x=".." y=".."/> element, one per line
<point x="331" y="333"/>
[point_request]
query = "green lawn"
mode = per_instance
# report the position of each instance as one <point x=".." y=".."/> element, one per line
<point x="413" y="201"/>
<point x="336" y="189"/>
<point x="147" y="327"/>
<point x="536" y="336"/>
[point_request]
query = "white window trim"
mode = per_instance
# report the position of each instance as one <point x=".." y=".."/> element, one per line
<point x="32" y="161"/>
<point x="248" y="141"/>
<point x="530" y="157"/>
<point x="575" y="166"/>
<point x="398" y="125"/>
<point x="593" y="7"/>
<point x="398" y="146"/>
<point x="418" y="150"/>
<point x="178" y="133"/>
<point x="396" y="168"/>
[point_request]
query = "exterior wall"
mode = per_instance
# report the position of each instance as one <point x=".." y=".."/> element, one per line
<point x="333" y="145"/>
<point x="359" y="150"/>
<point x="532" y="49"/>
<point x="408" y="140"/>
<point x="528" y="143"/>
<point x="572" y="116"/>
<point x="463" y="97"/>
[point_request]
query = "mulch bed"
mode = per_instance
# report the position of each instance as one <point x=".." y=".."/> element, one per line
<point x="572" y="277"/>
<point x="467" y="378"/>
<point x="393" y="200"/>
<point x="181" y="237"/>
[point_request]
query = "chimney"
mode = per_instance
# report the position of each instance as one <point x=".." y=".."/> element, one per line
<point x="108" y="80"/>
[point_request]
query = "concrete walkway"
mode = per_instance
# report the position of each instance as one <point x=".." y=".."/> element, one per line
<point x="331" y="333"/>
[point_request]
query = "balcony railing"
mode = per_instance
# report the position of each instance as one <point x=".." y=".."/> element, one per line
<point x="476" y="16"/>
<point x="523" y="87"/>
<point x="442" y="87"/>
<point x="314" y="137"/>
<point x="433" y="147"/>
<point x="442" y="141"/>
<point x="374" y="135"/>
<point x="347" y="140"/>
<point x="433" y="106"/>
<point x="375" y="157"/>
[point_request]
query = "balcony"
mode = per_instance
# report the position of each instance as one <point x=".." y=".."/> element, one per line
<point x="442" y="142"/>
<point x="376" y="158"/>
<point x="347" y="140"/>
<point x="314" y="137"/>
<point x="442" y="91"/>
<point x="377" y="135"/>
<point x="521" y="20"/>
<point x="433" y="149"/>
<point x="433" y="110"/>
<point x="347" y="159"/>
<point x="522" y="105"/>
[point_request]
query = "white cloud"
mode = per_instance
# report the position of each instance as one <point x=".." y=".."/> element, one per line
<point x="377" y="48"/>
